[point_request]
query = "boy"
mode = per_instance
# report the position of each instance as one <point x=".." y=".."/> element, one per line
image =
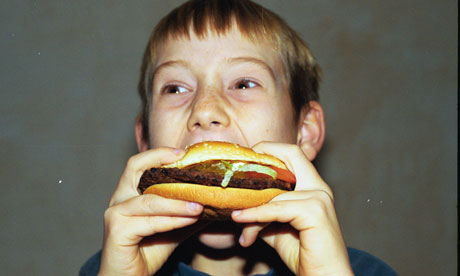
<point x="229" y="71"/>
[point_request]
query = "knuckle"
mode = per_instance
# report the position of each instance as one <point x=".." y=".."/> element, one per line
<point x="111" y="227"/>
<point x="318" y="206"/>
<point x="331" y="196"/>
<point x="130" y="164"/>
<point x="326" y="195"/>
<point x="321" y="206"/>
<point x="152" y="221"/>
<point x="276" y="208"/>
<point x="276" y="205"/>
<point x="294" y="149"/>
<point x="147" y="203"/>
<point x="112" y="201"/>
<point x="109" y="216"/>
<point x="109" y="213"/>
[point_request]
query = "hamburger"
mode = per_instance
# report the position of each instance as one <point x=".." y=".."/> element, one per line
<point x="221" y="176"/>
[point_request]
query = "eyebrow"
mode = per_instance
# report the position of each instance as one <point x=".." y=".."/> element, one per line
<point x="255" y="61"/>
<point x="185" y="64"/>
<point x="170" y="63"/>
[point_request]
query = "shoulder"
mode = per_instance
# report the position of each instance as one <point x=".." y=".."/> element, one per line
<point x="364" y="264"/>
<point x="91" y="266"/>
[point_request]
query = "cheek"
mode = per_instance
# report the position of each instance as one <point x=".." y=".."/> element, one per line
<point x="165" y="128"/>
<point x="267" y="121"/>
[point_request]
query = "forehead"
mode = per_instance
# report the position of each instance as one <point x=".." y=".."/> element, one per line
<point x="213" y="47"/>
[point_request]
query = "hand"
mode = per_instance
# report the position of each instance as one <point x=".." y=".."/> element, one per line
<point x="132" y="217"/>
<point x="306" y="234"/>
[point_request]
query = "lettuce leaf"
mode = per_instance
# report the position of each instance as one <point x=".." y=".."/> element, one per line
<point x="231" y="168"/>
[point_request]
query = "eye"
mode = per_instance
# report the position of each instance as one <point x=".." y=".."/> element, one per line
<point x="174" y="89"/>
<point x="245" y="84"/>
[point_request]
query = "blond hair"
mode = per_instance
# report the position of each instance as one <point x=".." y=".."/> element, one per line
<point x="255" y="23"/>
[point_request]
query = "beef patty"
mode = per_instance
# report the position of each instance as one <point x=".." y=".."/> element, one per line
<point x="175" y="175"/>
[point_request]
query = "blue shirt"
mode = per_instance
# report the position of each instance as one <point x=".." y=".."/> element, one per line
<point x="362" y="263"/>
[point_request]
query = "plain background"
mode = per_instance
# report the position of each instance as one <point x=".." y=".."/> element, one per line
<point x="69" y="71"/>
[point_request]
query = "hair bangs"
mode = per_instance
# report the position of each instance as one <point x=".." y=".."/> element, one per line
<point x="205" y="18"/>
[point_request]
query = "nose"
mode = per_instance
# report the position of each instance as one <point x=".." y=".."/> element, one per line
<point x="208" y="111"/>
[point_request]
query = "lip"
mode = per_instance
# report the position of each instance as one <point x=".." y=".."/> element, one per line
<point x="199" y="139"/>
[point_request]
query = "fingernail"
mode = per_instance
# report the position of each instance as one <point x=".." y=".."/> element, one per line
<point x="236" y="213"/>
<point x="192" y="206"/>
<point x="241" y="239"/>
<point x="178" y="151"/>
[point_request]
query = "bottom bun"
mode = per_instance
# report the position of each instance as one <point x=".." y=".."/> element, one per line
<point x="218" y="202"/>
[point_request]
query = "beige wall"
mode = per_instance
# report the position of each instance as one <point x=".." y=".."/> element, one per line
<point x="68" y="101"/>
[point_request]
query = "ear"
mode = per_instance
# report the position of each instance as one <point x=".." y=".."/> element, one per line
<point x="142" y="143"/>
<point x="311" y="130"/>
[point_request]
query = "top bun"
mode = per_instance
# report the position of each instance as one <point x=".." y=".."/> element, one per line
<point x="216" y="150"/>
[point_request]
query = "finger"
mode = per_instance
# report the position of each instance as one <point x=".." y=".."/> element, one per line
<point x="154" y="158"/>
<point x="250" y="232"/>
<point x="301" y="195"/>
<point x="301" y="214"/>
<point x="154" y="205"/>
<point x="136" y="228"/>
<point x="306" y="174"/>
<point x="135" y="167"/>
<point x="280" y="235"/>
<point x="142" y="216"/>
<point x="175" y="236"/>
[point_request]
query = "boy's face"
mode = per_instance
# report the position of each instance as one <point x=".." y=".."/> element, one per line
<point x="220" y="88"/>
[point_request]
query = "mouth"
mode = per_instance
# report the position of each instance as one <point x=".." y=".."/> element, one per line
<point x="193" y="140"/>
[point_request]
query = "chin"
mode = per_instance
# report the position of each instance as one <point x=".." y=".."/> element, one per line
<point x="220" y="235"/>
<point x="217" y="241"/>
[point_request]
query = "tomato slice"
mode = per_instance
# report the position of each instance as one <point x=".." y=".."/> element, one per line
<point x="256" y="175"/>
<point x="284" y="175"/>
